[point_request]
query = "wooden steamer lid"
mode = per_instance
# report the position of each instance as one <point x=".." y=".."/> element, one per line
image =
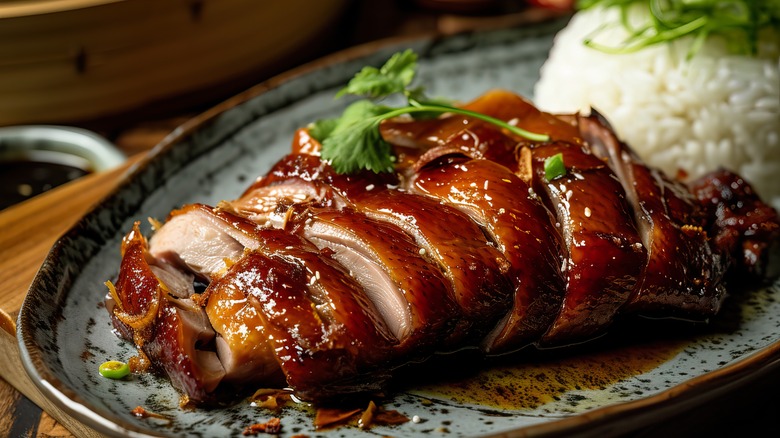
<point x="63" y="61"/>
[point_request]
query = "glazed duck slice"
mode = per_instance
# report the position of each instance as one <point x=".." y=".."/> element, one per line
<point x="407" y="288"/>
<point x="241" y="344"/>
<point x="604" y="255"/>
<point x="301" y="178"/>
<point x="205" y="242"/>
<point x="744" y="229"/>
<point x="163" y="321"/>
<point x="475" y="268"/>
<point x="327" y="336"/>
<point x="522" y="228"/>
<point x="683" y="276"/>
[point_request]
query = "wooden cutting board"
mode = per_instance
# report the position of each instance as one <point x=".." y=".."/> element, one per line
<point x="27" y="232"/>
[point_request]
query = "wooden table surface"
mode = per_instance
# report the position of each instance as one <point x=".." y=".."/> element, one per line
<point x="27" y="231"/>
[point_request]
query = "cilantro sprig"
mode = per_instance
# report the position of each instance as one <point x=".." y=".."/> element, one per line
<point x="352" y="142"/>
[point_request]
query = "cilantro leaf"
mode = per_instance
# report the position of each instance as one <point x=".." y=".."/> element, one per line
<point x="393" y="77"/>
<point x="321" y="129"/>
<point x="354" y="143"/>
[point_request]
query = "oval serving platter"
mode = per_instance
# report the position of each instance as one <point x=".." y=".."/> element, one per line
<point x="64" y="330"/>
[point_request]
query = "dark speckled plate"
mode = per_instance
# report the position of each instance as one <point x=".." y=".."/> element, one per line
<point x="609" y="386"/>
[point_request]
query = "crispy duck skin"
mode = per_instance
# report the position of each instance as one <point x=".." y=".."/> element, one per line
<point x="326" y="334"/>
<point x="476" y="269"/>
<point x="326" y="282"/>
<point x="300" y="178"/>
<point x="683" y="275"/>
<point x="168" y="330"/>
<point x="419" y="308"/>
<point x="522" y="228"/>
<point x="309" y="168"/>
<point x="604" y="255"/>
<point x="596" y="286"/>
<point x="206" y="241"/>
<point x="744" y="228"/>
<point x="241" y="344"/>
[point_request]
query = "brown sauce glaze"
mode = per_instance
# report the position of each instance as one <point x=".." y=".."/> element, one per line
<point x="520" y="382"/>
<point x="530" y="385"/>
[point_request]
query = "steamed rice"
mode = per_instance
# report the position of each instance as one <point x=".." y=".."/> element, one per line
<point x="693" y="114"/>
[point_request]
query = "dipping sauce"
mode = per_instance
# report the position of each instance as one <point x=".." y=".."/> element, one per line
<point x="23" y="176"/>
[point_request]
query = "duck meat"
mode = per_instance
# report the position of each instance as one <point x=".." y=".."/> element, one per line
<point x="604" y="255"/>
<point x="323" y="331"/>
<point x="152" y="307"/>
<point x="683" y="275"/>
<point x="326" y="283"/>
<point x="743" y="228"/>
<point x="521" y="228"/>
<point x="419" y="309"/>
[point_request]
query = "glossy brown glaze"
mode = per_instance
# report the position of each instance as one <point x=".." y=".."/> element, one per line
<point x="683" y="275"/>
<point x="310" y="168"/>
<point x="743" y="228"/>
<point x="604" y="253"/>
<point x="419" y="305"/>
<point x="326" y="334"/>
<point x="476" y="269"/>
<point x="242" y="343"/>
<point x="521" y="227"/>
<point x="300" y="178"/>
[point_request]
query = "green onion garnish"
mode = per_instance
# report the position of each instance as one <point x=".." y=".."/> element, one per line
<point x="738" y="22"/>
<point x="114" y="369"/>
<point x="553" y="167"/>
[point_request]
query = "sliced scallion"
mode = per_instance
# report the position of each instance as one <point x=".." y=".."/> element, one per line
<point x="114" y="369"/>
<point x="553" y="167"/>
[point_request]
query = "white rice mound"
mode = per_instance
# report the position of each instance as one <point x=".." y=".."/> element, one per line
<point x="694" y="114"/>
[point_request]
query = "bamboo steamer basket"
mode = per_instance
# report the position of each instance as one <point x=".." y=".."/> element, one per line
<point x="64" y="61"/>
